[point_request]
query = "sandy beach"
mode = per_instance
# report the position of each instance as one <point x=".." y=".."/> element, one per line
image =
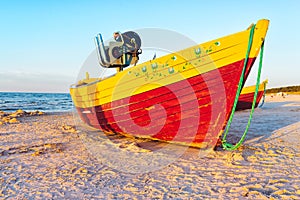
<point x="46" y="156"/>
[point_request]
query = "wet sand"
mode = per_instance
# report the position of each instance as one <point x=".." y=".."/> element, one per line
<point x="45" y="156"/>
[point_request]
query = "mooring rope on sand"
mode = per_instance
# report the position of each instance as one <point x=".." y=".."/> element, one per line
<point x="225" y="144"/>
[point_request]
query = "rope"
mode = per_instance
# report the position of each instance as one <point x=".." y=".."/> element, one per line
<point x="264" y="95"/>
<point x="226" y="145"/>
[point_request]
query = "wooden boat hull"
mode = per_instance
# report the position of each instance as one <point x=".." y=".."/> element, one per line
<point x="184" y="98"/>
<point x="247" y="96"/>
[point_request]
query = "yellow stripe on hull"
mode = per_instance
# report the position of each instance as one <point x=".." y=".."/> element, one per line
<point x="171" y="68"/>
<point x="251" y="89"/>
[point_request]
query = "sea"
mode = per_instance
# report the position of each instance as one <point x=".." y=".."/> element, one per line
<point x="45" y="102"/>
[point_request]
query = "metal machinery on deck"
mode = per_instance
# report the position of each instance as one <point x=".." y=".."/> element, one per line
<point x="121" y="52"/>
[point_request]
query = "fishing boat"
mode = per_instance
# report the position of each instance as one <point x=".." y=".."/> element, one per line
<point x="184" y="97"/>
<point x="247" y="96"/>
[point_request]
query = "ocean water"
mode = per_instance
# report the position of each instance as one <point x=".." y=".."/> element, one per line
<point x="46" y="102"/>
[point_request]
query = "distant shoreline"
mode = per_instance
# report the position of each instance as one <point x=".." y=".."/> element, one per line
<point x="287" y="89"/>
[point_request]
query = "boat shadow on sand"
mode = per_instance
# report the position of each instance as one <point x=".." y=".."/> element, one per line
<point x="265" y="122"/>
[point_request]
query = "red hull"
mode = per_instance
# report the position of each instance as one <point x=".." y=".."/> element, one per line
<point x="245" y="100"/>
<point x="164" y="112"/>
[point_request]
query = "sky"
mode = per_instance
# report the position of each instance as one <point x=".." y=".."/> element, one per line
<point x="43" y="44"/>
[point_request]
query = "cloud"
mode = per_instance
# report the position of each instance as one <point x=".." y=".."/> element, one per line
<point x="19" y="81"/>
